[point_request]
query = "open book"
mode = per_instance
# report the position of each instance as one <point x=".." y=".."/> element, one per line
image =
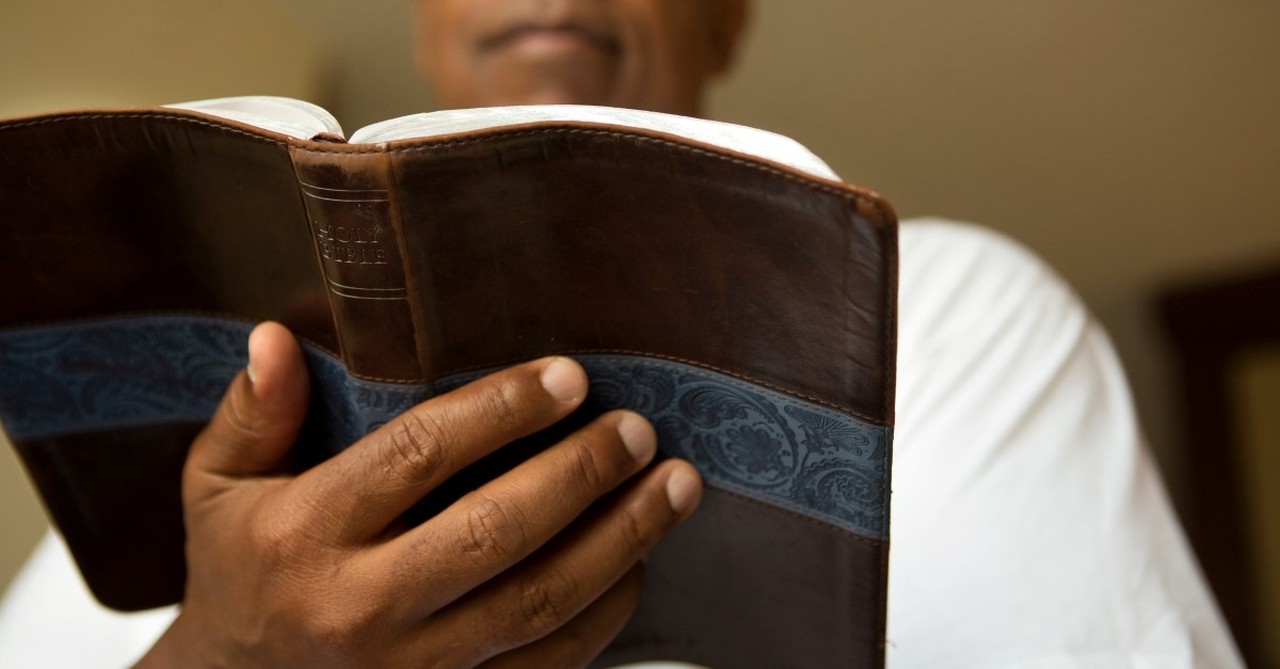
<point x="718" y="279"/>
<point x="305" y="120"/>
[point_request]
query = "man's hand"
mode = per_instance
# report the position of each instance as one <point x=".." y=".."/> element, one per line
<point x="313" y="570"/>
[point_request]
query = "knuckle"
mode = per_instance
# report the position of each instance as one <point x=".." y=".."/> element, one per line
<point x="636" y="533"/>
<point x="498" y="403"/>
<point x="545" y="603"/>
<point x="416" y="446"/>
<point x="241" y="420"/>
<point x="342" y="629"/>
<point x="277" y="542"/>
<point x="491" y="531"/>
<point x="587" y="466"/>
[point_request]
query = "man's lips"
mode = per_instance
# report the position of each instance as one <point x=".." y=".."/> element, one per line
<point x="567" y="35"/>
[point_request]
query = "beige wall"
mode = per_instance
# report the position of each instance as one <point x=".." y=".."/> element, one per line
<point x="1130" y="143"/>
<point x="21" y="518"/>
<point x="58" y="54"/>
<point x="68" y="53"/>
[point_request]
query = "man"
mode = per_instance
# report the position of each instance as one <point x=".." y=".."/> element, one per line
<point x="1029" y="526"/>
<point x="642" y="54"/>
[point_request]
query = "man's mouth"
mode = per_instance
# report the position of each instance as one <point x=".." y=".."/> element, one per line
<point x="551" y="38"/>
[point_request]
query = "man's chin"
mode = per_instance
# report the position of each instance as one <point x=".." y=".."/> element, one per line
<point x="515" y="78"/>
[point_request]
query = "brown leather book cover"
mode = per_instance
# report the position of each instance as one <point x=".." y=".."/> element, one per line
<point x="745" y="307"/>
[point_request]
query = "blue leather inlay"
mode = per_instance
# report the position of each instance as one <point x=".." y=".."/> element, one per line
<point x="116" y="373"/>
<point x="754" y="441"/>
<point x="745" y="438"/>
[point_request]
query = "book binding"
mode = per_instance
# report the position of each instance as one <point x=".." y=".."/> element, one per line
<point x="747" y="309"/>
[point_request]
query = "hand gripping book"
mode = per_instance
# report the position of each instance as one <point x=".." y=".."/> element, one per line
<point x="718" y="279"/>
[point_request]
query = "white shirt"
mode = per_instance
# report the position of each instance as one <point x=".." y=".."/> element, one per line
<point x="1029" y="524"/>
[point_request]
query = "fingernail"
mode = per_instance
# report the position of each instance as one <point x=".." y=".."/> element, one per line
<point x="684" y="488"/>
<point x="563" y="380"/>
<point x="249" y="368"/>
<point x="638" y="437"/>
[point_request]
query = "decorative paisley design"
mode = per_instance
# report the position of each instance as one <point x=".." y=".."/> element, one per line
<point x="103" y="374"/>
<point x="744" y="438"/>
<point x="824" y="433"/>
<point x="755" y="441"/>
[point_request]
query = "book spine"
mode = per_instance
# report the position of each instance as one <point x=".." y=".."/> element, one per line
<point x="351" y="210"/>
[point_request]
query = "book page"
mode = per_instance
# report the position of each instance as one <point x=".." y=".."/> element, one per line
<point x="305" y="120"/>
<point x="286" y="116"/>
<point x="752" y="141"/>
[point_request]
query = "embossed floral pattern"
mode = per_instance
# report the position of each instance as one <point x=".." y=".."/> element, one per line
<point x="755" y="450"/>
<point x="824" y="434"/>
<point x="756" y="442"/>
<point x="59" y="378"/>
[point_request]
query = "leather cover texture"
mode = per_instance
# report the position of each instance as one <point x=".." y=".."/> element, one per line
<point x="747" y="309"/>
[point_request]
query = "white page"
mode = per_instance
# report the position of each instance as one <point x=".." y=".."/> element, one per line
<point x="305" y="120"/>
<point x="740" y="138"/>
<point x="286" y="116"/>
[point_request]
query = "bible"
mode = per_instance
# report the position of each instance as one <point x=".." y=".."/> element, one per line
<point x="720" y="280"/>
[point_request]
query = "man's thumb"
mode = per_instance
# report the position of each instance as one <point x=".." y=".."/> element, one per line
<point x="260" y="415"/>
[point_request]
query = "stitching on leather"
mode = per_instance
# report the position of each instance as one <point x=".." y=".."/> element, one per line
<point x="785" y="510"/>
<point x="304" y="145"/>
<point x="641" y="136"/>
<point x="615" y="351"/>
<point x="851" y="196"/>
<point x="145" y="115"/>
<point x="460" y="370"/>
<point x="177" y="313"/>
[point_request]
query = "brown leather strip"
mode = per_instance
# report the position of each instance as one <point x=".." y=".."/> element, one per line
<point x="740" y="585"/>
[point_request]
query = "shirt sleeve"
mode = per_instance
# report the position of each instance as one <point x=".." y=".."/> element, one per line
<point x="49" y="619"/>
<point x="1029" y="526"/>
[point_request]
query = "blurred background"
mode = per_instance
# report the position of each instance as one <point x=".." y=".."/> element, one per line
<point x="1133" y="145"/>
